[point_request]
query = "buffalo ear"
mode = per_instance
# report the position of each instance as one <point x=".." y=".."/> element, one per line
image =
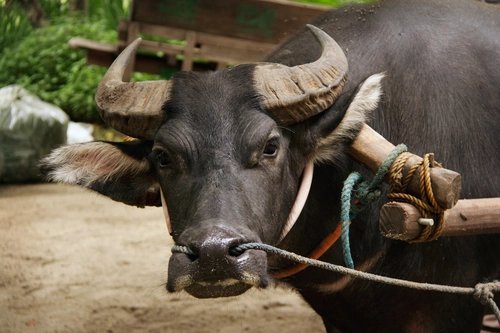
<point x="120" y="171"/>
<point x="340" y="124"/>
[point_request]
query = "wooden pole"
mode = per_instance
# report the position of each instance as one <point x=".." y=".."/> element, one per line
<point x="399" y="220"/>
<point x="370" y="149"/>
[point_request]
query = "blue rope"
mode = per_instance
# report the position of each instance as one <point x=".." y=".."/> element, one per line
<point x="366" y="193"/>
<point x="345" y="216"/>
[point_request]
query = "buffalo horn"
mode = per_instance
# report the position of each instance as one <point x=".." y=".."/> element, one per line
<point x="293" y="94"/>
<point x="133" y="108"/>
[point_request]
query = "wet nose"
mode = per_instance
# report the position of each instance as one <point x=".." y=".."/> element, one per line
<point x="216" y="251"/>
<point x="214" y="266"/>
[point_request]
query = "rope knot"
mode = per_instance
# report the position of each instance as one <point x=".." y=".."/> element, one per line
<point x="484" y="292"/>
<point x="370" y="195"/>
<point x="366" y="193"/>
<point x="426" y="204"/>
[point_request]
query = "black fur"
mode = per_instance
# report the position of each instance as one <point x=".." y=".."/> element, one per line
<point x="441" y="95"/>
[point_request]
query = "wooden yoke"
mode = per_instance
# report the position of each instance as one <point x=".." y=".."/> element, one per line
<point x="399" y="220"/>
<point x="370" y="149"/>
<point x="403" y="221"/>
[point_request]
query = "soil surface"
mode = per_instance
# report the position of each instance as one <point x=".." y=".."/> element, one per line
<point x="74" y="261"/>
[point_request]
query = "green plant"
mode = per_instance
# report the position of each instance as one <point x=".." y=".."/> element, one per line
<point x="55" y="9"/>
<point x="14" y="25"/>
<point x="111" y="11"/>
<point x="43" y="63"/>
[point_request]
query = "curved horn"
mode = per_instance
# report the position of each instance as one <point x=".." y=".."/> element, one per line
<point x="293" y="94"/>
<point x="133" y="108"/>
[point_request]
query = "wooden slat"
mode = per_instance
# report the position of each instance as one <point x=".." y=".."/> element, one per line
<point x="259" y="20"/>
<point x="243" y="45"/>
<point x="98" y="53"/>
<point x="99" y="58"/>
<point x="122" y="34"/>
<point x="80" y="43"/>
<point x="222" y="31"/>
<point x="226" y="54"/>
<point x="231" y="50"/>
<point x="212" y="47"/>
<point x="187" y="64"/>
<point x="154" y="46"/>
<point x="221" y="65"/>
<point x="132" y="33"/>
<point x="163" y="31"/>
<point x="399" y="220"/>
<point x="154" y="65"/>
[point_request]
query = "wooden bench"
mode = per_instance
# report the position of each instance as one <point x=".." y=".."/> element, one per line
<point x="220" y="32"/>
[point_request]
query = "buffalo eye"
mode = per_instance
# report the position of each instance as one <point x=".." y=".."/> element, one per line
<point x="271" y="148"/>
<point x="163" y="159"/>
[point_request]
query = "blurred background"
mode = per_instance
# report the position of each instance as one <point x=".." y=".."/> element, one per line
<point x="34" y="52"/>
<point x="49" y="50"/>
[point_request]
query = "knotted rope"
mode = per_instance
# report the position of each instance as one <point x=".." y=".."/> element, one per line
<point x="368" y="192"/>
<point x="427" y="205"/>
<point x="365" y="193"/>
<point x="482" y="292"/>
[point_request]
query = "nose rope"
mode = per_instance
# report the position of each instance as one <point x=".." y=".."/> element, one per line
<point x="234" y="251"/>
<point x="482" y="292"/>
<point x="183" y="249"/>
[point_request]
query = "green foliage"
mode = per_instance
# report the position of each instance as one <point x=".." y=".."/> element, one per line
<point x="14" y="25"/>
<point x="111" y="11"/>
<point x="54" y="9"/>
<point x="43" y="63"/>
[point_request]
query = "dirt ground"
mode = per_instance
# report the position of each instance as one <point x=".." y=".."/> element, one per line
<point x="73" y="261"/>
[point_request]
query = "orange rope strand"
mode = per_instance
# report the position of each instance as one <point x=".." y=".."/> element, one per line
<point x="315" y="254"/>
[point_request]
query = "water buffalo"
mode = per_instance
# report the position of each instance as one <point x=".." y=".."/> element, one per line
<point x="225" y="152"/>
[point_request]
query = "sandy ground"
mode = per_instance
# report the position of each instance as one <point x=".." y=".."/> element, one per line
<point x="73" y="261"/>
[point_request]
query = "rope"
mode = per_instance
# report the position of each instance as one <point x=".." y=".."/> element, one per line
<point x="366" y="193"/>
<point x="427" y="205"/>
<point x="482" y="292"/>
<point x="315" y="254"/>
<point x="396" y="173"/>
<point x="345" y="216"/>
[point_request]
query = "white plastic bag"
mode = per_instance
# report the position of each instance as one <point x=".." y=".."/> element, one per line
<point x="79" y="132"/>
<point x="29" y="130"/>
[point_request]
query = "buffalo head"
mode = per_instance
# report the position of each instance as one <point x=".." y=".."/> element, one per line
<point x="224" y="151"/>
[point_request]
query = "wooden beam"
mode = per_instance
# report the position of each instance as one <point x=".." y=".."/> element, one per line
<point x="400" y="221"/>
<point x="258" y="20"/>
<point x="370" y="149"/>
<point x="100" y="58"/>
<point x="187" y="63"/>
<point x="155" y="46"/>
<point x="80" y="43"/>
<point x="132" y="34"/>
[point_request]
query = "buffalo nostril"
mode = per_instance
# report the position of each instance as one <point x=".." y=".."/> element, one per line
<point x="191" y="254"/>
<point x="238" y="250"/>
